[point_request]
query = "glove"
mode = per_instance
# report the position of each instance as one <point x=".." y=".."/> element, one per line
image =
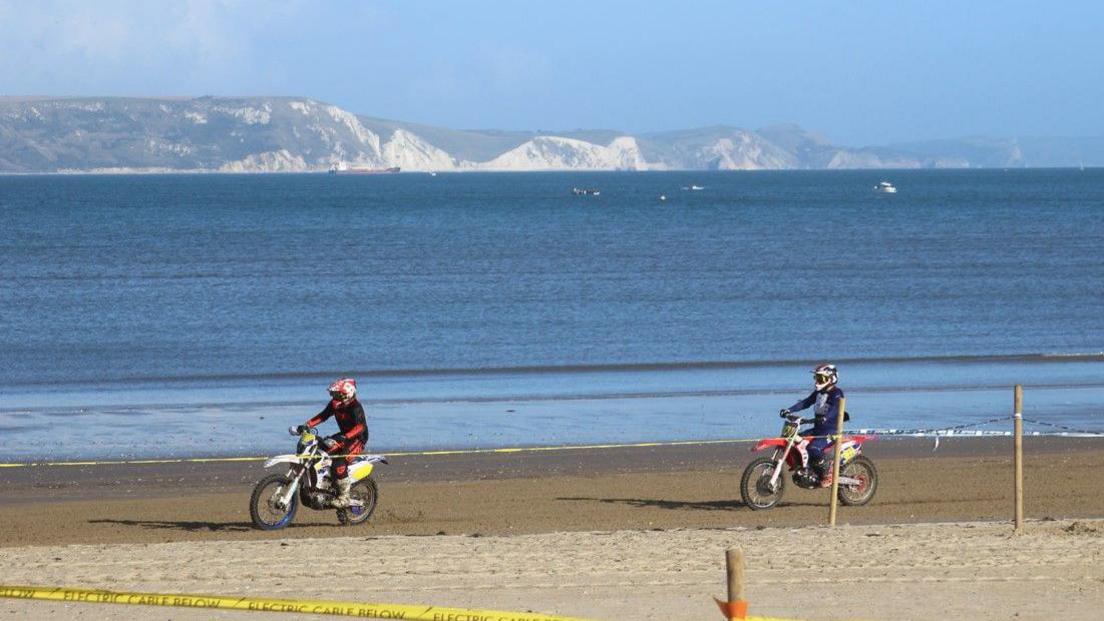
<point x="333" y="441"/>
<point x="301" y="429"/>
<point x="783" y="413"/>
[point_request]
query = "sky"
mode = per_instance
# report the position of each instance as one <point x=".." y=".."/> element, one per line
<point x="858" y="72"/>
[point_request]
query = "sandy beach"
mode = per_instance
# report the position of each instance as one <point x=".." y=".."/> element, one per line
<point x="605" y="534"/>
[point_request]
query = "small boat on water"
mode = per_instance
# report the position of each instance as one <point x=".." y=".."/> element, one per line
<point x="585" y="191"/>
<point x="693" y="188"/>
<point x="885" y="187"/>
<point x="344" y="169"/>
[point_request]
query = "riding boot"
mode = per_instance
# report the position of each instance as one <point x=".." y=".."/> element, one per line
<point x="824" y="472"/>
<point x="342" y="500"/>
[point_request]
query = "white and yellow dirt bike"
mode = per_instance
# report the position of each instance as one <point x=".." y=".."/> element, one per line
<point x="763" y="482"/>
<point x="309" y="481"/>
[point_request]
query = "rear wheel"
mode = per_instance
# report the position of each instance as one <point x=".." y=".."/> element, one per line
<point x="266" y="507"/>
<point x="367" y="492"/>
<point x="755" y="486"/>
<point x="858" y="494"/>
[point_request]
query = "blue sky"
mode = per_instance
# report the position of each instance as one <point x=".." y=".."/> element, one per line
<point x="858" y="72"/>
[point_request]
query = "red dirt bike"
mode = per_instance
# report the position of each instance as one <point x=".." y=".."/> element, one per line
<point x="763" y="482"/>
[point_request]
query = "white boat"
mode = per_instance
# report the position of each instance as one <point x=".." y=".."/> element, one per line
<point x="693" y="188"/>
<point x="885" y="187"/>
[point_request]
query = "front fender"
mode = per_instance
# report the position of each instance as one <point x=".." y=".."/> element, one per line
<point x="281" y="459"/>
<point x="769" y="443"/>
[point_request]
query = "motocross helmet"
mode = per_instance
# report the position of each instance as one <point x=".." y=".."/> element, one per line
<point x="825" y="376"/>
<point x="343" y="391"/>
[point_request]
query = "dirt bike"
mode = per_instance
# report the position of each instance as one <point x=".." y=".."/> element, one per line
<point x="763" y="482"/>
<point x="309" y="481"/>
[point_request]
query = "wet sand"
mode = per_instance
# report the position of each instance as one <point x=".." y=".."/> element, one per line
<point x="583" y="532"/>
<point x="682" y="486"/>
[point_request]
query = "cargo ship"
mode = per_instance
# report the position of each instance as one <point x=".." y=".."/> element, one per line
<point x="344" y="169"/>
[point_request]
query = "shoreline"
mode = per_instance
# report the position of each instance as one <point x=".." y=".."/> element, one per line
<point x="446" y="409"/>
<point x="165" y="172"/>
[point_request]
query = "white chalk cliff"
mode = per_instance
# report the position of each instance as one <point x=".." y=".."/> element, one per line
<point x="411" y="153"/>
<point x="556" y="153"/>
<point x="282" y="134"/>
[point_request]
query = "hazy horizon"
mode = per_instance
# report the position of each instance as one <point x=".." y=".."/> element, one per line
<point x="859" y="75"/>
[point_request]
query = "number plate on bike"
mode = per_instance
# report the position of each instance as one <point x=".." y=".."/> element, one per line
<point x="848" y="453"/>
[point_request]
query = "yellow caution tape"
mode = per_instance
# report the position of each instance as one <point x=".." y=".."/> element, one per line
<point x="528" y="449"/>
<point x="298" y="606"/>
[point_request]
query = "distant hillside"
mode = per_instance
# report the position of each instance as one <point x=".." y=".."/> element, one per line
<point x="1032" y="152"/>
<point x="290" y="134"/>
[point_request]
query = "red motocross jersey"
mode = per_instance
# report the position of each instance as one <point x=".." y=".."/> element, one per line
<point x="350" y="419"/>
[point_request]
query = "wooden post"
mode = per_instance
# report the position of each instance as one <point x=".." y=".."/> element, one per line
<point x="736" y="606"/>
<point x="1017" y="425"/>
<point x="836" y="463"/>
<point x="734" y="566"/>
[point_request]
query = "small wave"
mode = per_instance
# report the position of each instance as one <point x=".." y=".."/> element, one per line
<point x="260" y="406"/>
<point x="565" y="369"/>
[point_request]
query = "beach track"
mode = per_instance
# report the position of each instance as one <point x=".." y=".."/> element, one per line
<point x="621" y="534"/>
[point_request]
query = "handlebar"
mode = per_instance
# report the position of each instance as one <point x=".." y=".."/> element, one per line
<point x="299" y="429"/>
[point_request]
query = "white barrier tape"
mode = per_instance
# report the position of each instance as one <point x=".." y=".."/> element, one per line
<point x="977" y="433"/>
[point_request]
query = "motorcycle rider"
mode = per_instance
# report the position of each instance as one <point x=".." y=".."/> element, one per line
<point x="826" y="397"/>
<point x="348" y="442"/>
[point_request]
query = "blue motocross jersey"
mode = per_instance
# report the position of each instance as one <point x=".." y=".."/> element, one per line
<point x="826" y="409"/>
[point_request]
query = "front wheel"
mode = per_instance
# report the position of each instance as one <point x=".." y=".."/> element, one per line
<point x="858" y="494"/>
<point x="367" y="492"/>
<point x="266" y="504"/>
<point x="755" y="486"/>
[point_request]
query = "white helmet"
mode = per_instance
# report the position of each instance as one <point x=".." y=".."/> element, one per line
<point x="825" y="376"/>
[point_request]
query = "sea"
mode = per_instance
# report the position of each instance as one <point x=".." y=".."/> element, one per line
<point x="201" y="315"/>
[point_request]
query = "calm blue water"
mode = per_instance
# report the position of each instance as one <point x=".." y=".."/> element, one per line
<point x="193" y="306"/>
